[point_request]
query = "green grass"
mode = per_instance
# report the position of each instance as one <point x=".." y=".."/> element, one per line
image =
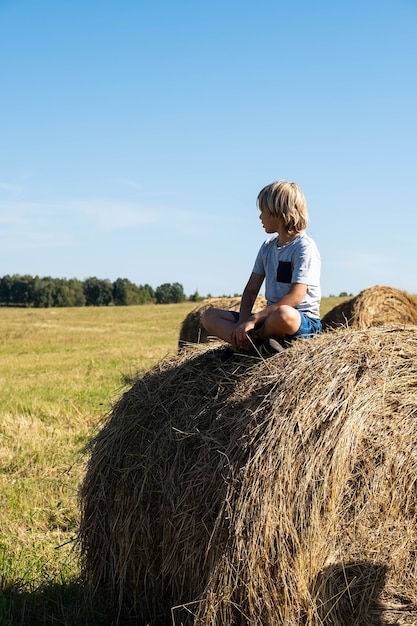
<point x="61" y="370"/>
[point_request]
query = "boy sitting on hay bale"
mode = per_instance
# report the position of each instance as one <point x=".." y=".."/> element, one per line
<point x="289" y="262"/>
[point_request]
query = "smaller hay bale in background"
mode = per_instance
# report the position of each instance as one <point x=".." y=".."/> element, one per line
<point x="374" y="306"/>
<point x="191" y="329"/>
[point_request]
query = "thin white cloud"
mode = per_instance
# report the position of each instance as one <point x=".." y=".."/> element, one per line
<point x="356" y="259"/>
<point x="113" y="214"/>
<point x="39" y="241"/>
<point x="42" y="225"/>
<point x="11" y="187"/>
<point x="28" y="236"/>
<point x="100" y="213"/>
<point x="67" y="223"/>
<point x="15" y="213"/>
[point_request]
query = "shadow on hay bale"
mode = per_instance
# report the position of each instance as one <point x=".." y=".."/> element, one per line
<point x="375" y="306"/>
<point x="192" y="331"/>
<point x="251" y="492"/>
<point x="346" y="591"/>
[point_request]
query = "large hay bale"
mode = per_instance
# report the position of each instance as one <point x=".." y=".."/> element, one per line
<point x="375" y="306"/>
<point x="274" y="493"/>
<point x="192" y="331"/>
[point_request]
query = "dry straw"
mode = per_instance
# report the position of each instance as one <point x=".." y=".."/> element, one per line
<point x="192" y="331"/>
<point x="375" y="306"/>
<point x="261" y="493"/>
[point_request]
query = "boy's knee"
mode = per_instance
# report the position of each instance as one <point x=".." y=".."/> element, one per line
<point x="288" y="314"/>
<point x="280" y="314"/>
<point x="284" y="320"/>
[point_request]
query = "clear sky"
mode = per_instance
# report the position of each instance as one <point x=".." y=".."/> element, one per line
<point x="135" y="137"/>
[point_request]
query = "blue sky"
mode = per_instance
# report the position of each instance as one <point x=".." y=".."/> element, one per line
<point x="135" y="137"/>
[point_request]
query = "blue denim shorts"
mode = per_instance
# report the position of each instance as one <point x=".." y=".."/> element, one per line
<point x="309" y="326"/>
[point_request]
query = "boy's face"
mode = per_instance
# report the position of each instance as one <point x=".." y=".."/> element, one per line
<point x="270" y="223"/>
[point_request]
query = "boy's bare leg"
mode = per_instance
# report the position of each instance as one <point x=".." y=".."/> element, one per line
<point x="285" y="320"/>
<point x="219" y="323"/>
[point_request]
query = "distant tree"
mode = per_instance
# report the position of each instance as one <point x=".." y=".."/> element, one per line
<point x="125" y="292"/>
<point x="97" y="292"/>
<point x="5" y="289"/>
<point x="147" y="294"/>
<point x="25" y="290"/>
<point x="163" y="294"/>
<point x="76" y="295"/>
<point x="195" y="297"/>
<point x="177" y="293"/>
<point x="120" y="291"/>
<point x="21" y="289"/>
<point x="43" y="289"/>
<point x="57" y="292"/>
<point x="61" y="293"/>
<point x="169" y="293"/>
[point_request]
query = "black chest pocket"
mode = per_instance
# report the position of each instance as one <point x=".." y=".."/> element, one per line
<point x="284" y="272"/>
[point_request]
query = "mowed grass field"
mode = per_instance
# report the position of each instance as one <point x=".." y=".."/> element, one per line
<point x="61" y="370"/>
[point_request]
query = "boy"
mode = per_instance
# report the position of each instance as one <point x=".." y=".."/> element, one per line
<point x="289" y="262"/>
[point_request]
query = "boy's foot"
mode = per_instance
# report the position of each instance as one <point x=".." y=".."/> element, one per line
<point x="268" y="348"/>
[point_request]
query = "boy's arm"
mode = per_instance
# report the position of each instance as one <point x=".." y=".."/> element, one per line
<point x="249" y="295"/>
<point x="238" y="336"/>
<point x="293" y="298"/>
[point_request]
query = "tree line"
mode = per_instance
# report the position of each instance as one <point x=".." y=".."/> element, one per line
<point x="33" y="291"/>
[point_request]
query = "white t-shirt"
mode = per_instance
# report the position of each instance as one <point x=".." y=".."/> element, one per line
<point x="295" y="262"/>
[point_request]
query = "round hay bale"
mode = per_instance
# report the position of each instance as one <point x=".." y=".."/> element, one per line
<point x="375" y="306"/>
<point x="279" y="492"/>
<point x="192" y="331"/>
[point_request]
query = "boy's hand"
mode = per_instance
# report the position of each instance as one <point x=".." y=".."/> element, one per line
<point x="240" y="334"/>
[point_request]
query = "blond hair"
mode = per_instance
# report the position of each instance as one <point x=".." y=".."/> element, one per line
<point x="286" y="200"/>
